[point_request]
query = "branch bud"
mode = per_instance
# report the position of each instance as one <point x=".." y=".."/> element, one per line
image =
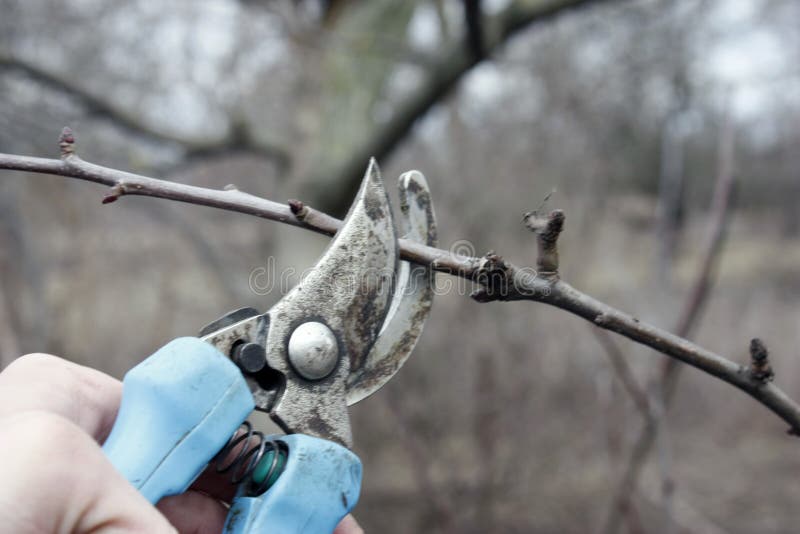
<point x="760" y="368"/>
<point x="66" y="142"/>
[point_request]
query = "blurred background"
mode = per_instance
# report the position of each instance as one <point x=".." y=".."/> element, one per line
<point x="509" y="417"/>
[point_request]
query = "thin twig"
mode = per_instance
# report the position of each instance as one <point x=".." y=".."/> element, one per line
<point x="422" y="464"/>
<point x="664" y="448"/>
<point x="623" y="372"/>
<point x="720" y="208"/>
<point x="687" y="517"/>
<point x="515" y="283"/>
<point x="237" y="139"/>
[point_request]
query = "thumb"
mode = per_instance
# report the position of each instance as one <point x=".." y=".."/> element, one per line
<point x="58" y="480"/>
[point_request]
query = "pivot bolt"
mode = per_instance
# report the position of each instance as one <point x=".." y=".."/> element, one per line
<point x="313" y="350"/>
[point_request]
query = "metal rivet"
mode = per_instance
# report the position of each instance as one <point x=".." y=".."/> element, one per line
<point x="250" y="357"/>
<point x="313" y="350"/>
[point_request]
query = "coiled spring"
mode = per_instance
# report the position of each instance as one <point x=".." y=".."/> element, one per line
<point x="251" y="458"/>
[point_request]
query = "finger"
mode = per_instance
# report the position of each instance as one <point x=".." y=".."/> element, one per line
<point x="348" y="525"/>
<point x="87" y="397"/>
<point x="56" y="479"/>
<point x="194" y="513"/>
<point x="213" y="483"/>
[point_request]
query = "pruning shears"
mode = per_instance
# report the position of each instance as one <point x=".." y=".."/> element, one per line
<point x="334" y="339"/>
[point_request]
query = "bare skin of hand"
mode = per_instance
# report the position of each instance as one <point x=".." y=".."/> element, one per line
<point x="53" y="416"/>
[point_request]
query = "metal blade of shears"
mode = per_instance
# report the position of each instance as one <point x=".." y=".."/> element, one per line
<point x="342" y="332"/>
<point x="413" y="295"/>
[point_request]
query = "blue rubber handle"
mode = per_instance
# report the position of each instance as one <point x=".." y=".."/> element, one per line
<point x="318" y="487"/>
<point x="179" y="408"/>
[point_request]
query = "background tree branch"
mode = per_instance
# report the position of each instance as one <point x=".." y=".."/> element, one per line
<point x="237" y="139"/>
<point x="444" y="73"/>
<point x="664" y="389"/>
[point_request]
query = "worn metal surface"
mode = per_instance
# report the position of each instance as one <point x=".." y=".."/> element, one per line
<point x="412" y="300"/>
<point x="348" y="290"/>
<point x="228" y="319"/>
<point x="372" y="307"/>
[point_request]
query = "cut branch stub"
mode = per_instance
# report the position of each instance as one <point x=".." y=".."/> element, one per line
<point x="547" y="229"/>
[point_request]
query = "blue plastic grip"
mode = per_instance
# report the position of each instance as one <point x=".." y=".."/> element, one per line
<point x="318" y="487"/>
<point x="179" y="408"/>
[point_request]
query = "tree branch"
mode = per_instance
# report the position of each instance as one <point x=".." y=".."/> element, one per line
<point x="238" y="139"/>
<point x="473" y="21"/>
<point x="500" y="280"/>
<point x="422" y="463"/>
<point x="442" y="76"/>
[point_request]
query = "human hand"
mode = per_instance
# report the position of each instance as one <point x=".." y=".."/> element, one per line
<point x="53" y="416"/>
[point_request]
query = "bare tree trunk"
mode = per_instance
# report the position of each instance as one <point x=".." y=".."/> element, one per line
<point x="670" y="212"/>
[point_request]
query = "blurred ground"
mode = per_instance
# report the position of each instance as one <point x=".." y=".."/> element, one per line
<point x="508" y="417"/>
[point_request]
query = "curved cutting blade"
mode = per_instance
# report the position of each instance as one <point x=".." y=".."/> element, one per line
<point x="413" y="296"/>
<point x="349" y="290"/>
